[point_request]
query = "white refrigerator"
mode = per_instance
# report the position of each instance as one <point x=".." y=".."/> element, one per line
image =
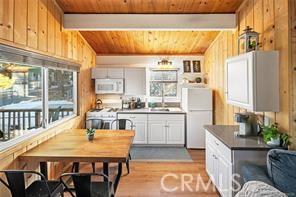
<point x="197" y="103"/>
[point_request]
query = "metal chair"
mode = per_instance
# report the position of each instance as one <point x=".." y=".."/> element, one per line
<point x="16" y="184"/>
<point x="122" y="124"/>
<point x="94" y="123"/>
<point x="90" y="123"/>
<point x="85" y="187"/>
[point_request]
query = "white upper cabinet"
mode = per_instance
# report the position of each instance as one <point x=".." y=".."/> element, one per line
<point x="116" y="73"/>
<point x="104" y="73"/>
<point x="135" y="81"/>
<point x="252" y="81"/>
<point x="99" y="73"/>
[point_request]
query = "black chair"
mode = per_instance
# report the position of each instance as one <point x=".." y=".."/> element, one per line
<point x="90" y="123"/>
<point x="17" y="187"/>
<point x="124" y="124"/>
<point x="85" y="187"/>
<point x="94" y="123"/>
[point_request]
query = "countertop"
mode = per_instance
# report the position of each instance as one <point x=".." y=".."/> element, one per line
<point x="225" y="133"/>
<point x="173" y="110"/>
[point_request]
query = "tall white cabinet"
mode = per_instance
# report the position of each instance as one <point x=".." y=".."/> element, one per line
<point x="252" y="81"/>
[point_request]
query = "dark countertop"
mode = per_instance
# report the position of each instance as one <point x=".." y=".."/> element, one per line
<point x="225" y="133"/>
<point x="173" y="110"/>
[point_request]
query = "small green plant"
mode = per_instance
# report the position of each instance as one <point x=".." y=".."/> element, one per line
<point x="90" y="134"/>
<point x="90" y="131"/>
<point x="271" y="132"/>
<point x="285" y="140"/>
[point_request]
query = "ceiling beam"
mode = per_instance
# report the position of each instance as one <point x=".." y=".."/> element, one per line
<point x="164" y="22"/>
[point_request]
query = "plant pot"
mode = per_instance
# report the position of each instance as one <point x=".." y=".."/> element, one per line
<point x="90" y="137"/>
<point x="274" y="142"/>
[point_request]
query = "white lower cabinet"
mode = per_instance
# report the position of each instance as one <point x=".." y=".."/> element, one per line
<point x="218" y="165"/>
<point x="175" y="132"/>
<point x="166" y="129"/>
<point x="157" y="128"/>
<point x="223" y="164"/>
<point x="157" y="132"/>
<point x="224" y="176"/>
<point x="139" y="125"/>
<point x="141" y="132"/>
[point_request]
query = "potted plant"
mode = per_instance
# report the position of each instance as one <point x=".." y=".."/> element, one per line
<point x="90" y="133"/>
<point x="273" y="137"/>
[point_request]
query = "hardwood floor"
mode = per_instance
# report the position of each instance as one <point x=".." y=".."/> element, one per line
<point x="145" y="178"/>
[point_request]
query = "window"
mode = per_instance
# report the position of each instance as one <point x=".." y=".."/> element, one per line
<point x="20" y="99"/>
<point x="163" y="82"/>
<point x="60" y="94"/>
<point x="34" y="96"/>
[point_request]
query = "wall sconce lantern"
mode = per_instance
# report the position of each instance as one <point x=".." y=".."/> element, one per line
<point x="248" y="41"/>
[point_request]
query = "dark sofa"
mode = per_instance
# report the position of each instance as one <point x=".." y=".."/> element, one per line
<point x="279" y="172"/>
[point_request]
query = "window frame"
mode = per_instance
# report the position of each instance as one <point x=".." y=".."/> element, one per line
<point x="168" y="98"/>
<point x="23" y="57"/>
<point x="46" y="100"/>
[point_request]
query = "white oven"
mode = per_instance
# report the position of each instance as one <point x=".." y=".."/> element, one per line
<point x="109" y="86"/>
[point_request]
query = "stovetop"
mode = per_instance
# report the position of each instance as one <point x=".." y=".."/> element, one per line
<point x="107" y="109"/>
<point x="103" y="113"/>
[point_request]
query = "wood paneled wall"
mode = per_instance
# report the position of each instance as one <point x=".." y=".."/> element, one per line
<point x="35" y="25"/>
<point x="293" y="80"/>
<point x="271" y="19"/>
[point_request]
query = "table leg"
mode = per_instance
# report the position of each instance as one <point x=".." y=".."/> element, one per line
<point x="118" y="176"/>
<point x="43" y="169"/>
<point x="106" y="170"/>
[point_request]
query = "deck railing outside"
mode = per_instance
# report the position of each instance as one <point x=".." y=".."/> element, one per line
<point x="15" y="122"/>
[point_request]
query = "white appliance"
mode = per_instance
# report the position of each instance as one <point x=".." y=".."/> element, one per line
<point x="108" y="115"/>
<point x="197" y="103"/>
<point x="109" y="86"/>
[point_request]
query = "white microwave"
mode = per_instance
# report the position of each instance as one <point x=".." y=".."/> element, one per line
<point x="109" y="86"/>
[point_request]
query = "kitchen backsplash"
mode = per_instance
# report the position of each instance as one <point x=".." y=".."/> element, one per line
<point x="115" y="101"/>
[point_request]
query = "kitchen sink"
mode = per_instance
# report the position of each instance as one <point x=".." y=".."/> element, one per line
<point x="159" y="109"/>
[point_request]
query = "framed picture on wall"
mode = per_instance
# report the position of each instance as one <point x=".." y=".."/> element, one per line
<point x="187" y="66"/>
<point x="196" y="66"/>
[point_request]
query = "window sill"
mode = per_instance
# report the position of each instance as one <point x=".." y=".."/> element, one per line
<point x="5" y="146"/>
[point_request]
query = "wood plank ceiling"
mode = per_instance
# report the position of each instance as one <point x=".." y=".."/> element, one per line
<point x="149" y="6"/>
<point x="149" y="42"/>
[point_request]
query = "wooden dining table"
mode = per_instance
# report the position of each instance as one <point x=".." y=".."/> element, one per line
<point x="108" y="146"/>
